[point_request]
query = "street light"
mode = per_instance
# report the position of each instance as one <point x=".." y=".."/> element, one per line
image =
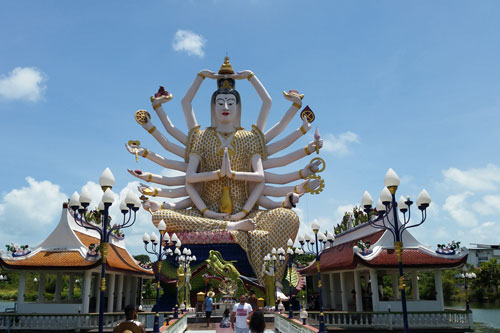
<point x="311" y="249"/>
<point x="291" y="252"/>
<point x="79" y="204"/>
<point x="386" y="204"/>
<point x="160" y="249"/>
<point x="466" y="276"/>
<point x="185" y="260"/>
<point x="273" y="260"/>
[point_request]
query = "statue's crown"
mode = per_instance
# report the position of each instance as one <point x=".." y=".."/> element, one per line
<point x="226" y="67"/>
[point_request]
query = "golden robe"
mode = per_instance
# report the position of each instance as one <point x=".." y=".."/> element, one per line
<point x="273" y="227"/>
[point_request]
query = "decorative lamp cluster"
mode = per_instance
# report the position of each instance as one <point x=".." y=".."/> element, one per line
<point x="387" y="204"/>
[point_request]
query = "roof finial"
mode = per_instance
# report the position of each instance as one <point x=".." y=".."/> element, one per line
<point x="226" y="67"/>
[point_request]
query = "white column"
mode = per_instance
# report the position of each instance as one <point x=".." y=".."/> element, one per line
<point x="57" y="296"/>
<point x="41" y="288"/>
<point x="71" y="286"/>
<point x="133" y="290"/>
<point x="324" y="294"/>
<point x="332" y="292"/>
<point x="127" y="290"/>
<point x="374" y="288"/>
<point x="414" y="286"/>
<point x="21" y="287"/>
<point x="357" y="288"/>
<point x="439" y="289"/>
<point x="395" y="285"/>
<point x="87" y="279"/>
<point x="97" y="291"/>
<point x="343" y="290"/>
<point x="111" y="292"/>
<point x="119" y="293"/>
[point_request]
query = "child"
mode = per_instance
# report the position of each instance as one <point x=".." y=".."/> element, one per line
<point x="225" y="324"/>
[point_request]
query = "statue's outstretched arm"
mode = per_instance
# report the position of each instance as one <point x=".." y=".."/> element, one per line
<point x="158" y="179"/>
<point x="309" y="169"/>
<point x="153" y="206"/>
<point x="289" y="139"/>
<point x="281" y="191"/>
<point x="165" y="120"/>
<point x="170" y="146"/>
<point x="290" y="201"/>
<point x="192" y="176"/>
<point x="162" y="192"/>
<point x="187" y="100"/>
<point x="293" y="156"/>
<point x="263" y="94"/>
<point x="158" y="159"/>
<point x="280" y="126"/>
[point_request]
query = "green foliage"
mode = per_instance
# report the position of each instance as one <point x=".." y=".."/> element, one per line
<point x="144" y="258"/>
<point x="305" y="259"/>
<point x="485" y="287"/>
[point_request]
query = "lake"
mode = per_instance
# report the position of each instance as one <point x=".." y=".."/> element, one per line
<point x="486" y="315"/>
<point x="5" y="304"/>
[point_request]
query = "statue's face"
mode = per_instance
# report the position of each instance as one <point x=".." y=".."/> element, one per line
<point x="226" y="108"/>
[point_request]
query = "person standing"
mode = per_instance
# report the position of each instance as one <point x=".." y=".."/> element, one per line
<point x="241" y="311"/>
<point x="208" y="306"/>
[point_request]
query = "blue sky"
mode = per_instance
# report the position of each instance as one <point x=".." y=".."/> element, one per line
<point x="408" y="85"/>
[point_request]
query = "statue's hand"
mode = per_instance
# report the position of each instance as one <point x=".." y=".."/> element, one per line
<point x="213" y="215"/>
<point x="311" y="168"/>
<point x="311" y="147"/>
<point x="208" y="73"/>
<point x="235" y="217"/>
<point x="151" y="205"/>
<point x="291" y="200"/>
<point x="226" y="162"/>
<point x="306" y="125"/>
<point x="241" y="75"/>
<point x="312" y="184"/>
<point x="133" y="150"/>
<point x="293" y="96"/>
<point x="160" y="100"/>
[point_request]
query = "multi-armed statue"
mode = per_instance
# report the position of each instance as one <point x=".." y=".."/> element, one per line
<point x="226" y="168"/>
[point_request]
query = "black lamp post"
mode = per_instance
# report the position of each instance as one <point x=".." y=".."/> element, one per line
<point x="128" y="207"/>
<point x="466" y="276"/>
<point x="160" y="249"/>
<point x="273" y="261"/>
<point x="316" y="250"/>
<point x="291" y="252"/>
<point x="385" y="205"/>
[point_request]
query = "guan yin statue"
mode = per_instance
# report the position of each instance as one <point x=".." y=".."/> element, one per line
<point x="227" y="185"/>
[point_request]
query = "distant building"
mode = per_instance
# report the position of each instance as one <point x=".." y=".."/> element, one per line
<point x="480" y="253"/>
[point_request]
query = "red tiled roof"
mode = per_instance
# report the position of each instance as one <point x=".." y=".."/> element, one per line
<point x="340" y="256"/>
<point x="52" y="260"/>
<point x="412" y="258"/>
<point x="118" y="259"/>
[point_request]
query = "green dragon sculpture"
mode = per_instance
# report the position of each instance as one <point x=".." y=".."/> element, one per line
<point x="218" y="266"/>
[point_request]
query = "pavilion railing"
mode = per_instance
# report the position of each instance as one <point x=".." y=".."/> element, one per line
<point x="455" y="319"/>
<point x="77" y="322"/>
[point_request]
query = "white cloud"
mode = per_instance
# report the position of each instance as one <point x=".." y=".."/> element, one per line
<point x="339" y="144"/>
<point x="23" y="83"/>
<point x="29" y="212"/>
<point x="190" y="42"/>
<point x="482" y="179"/>
<point x="456" y="205"/>
<point x="489" y="205"/>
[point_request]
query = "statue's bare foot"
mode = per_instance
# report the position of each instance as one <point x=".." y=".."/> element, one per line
<point x="243" y="225"/>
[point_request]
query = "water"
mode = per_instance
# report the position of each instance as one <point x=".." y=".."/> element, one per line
<point x="486" y="315"/>
<point x="4" y="305"/>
